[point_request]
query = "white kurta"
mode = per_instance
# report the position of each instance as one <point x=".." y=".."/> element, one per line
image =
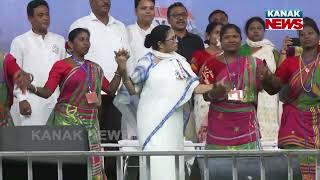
<point x="136" y="37"/>
<point x="160" y="111"/>
<point x="37" y="55"/>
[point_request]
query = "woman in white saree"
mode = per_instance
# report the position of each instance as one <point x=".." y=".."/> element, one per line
<point x="165" y="82"/>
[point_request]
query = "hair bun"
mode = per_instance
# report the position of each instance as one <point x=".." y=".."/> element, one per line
<point x="148" y="41"/>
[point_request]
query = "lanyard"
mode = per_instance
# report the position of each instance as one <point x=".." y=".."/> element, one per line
<point x="86" y="70"/>
<point x="233" y="77"/>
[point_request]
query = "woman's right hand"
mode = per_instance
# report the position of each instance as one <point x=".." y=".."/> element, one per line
<point x="218" y="92"/>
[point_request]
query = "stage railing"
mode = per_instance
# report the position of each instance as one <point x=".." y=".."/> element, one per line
<point x="260" y="154"/>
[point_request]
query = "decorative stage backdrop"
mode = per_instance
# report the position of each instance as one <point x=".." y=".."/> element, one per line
<point x="13" y="18"/>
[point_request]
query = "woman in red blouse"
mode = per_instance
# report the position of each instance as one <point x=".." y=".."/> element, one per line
<point x="199" y="58"/>
<point x="81" y="82"/>
<point x="299" y="128"/>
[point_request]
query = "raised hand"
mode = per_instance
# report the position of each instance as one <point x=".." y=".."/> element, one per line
<point x="263" y="71"/>
<point x="122" y="57"/>
<point x="286" y="43"/>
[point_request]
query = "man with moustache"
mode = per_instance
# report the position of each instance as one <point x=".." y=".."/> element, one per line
<point x="107" y="35"/>
<point x="188" y="43"/>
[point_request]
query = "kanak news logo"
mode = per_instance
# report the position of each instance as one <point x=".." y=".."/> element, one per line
<point x="284" y="20"/>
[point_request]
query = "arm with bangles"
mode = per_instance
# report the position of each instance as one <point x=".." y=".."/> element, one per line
<point x="202" y="88"/>
<point x="217" y="93"/>
<point x="128" y="83"/>
<point x="43" y="92"/>
<point x="112" y="87"/>
<point x="55" y="76"/>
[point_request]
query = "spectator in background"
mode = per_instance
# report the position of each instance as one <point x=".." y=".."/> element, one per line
<point x="188" y="43"/>
<point x="145" y="12"/>
<point x="218" y="16"/>
<point x="36" y="51"/>
<point x="268" y="106"/>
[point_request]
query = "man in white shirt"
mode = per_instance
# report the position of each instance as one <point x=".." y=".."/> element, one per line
<point x="36" y="51"/>
<point x="106" y="36"/>
<point x="145" y="12"/>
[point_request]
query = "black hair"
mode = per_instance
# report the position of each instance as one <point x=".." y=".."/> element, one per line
<point x="34" y="4"/>
<point x="210" y="28"/>
<point x="254" y="19"/>
<point x="159" y="33"/>
<point x="307" y="21"/>
<point x="74" y="33"/>
<point x="216" y="12"/>
<point x="227" y="27"/>
<point x="136" y="3"/>
<point x="176" y="4"/>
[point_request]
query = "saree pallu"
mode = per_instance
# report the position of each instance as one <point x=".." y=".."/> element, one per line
<point x="72" y="109"/>
<point x="234" y="123"/>
<point x="5" y="89"/>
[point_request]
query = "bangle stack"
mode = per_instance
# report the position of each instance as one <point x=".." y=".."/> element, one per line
<point x="117" y="74"/>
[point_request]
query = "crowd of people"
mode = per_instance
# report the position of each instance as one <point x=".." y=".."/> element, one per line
<point x="163" y="85"/>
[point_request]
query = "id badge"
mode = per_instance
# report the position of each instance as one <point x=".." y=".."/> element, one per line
<point x="235" y="95"/>
<point x="92" y="97"/>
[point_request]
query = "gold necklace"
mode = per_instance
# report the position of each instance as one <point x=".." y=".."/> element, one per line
<point x="307" y="70"/>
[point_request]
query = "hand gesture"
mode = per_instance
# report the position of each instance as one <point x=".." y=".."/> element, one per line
<point x="122" y="57"/>
<point x="25" y="108"/>
<point x="263" y="71"/>
<point x="22" y="80"/>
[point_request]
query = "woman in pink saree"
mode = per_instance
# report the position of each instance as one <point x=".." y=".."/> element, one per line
<point x="299" y="128"/>
<point x="232" y="118"/>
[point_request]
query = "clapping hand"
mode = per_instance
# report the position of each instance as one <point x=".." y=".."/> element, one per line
<point x="263" y="71"/>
